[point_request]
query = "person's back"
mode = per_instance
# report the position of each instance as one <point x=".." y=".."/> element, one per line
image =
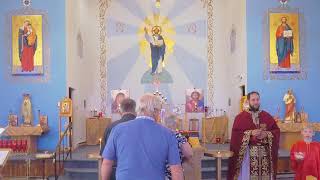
<point x="142" y="147"/>
<point x="127" y="111"/>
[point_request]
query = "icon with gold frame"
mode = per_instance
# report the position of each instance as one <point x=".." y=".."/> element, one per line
<point x="284" y="39"/>
<point x="27" y="50"/>
<point x="43" y="121"/>
<point x="65" y="108"/>
<point x="13" y="120"/>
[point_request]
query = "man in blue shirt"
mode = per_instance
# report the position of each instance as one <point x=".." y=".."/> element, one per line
<point x="142" y="147"/>
<point x="128" y="113"/>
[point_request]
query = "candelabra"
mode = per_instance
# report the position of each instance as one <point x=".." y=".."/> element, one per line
<point x="161" y="96"/>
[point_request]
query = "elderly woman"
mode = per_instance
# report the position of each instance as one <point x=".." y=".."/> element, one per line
<point x="184" y="147"/>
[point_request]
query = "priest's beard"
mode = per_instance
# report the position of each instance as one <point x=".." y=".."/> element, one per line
<point x="253" y="108"/>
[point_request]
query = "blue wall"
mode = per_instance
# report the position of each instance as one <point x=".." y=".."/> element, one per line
<point x="44" y="95"/>
<point x="272" y="91"/>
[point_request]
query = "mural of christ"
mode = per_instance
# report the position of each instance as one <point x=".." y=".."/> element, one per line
<point x="158" y="48"/>
<point x="284" y="44"/>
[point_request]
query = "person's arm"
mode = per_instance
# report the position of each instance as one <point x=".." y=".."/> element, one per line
<point x="148" y="37"/>
<point x="109" y="156"/>
<point x="293" y="161"/>
<point x="105" y="138"/>
<point x="174" y="161"/>
<point x="176" y="172"/>
<point x="184" y="146"/>
<point x="187" y="151"/>
<point x="106" y="169"/>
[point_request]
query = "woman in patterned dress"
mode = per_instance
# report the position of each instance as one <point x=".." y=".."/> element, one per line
<point x="185" y="149"/>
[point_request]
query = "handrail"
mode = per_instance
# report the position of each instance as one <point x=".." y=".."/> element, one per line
<point x="63" y="135"/>
<point x="66" y="136"/>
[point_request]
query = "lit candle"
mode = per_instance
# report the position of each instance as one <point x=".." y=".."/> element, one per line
<point x="100" y="140"/>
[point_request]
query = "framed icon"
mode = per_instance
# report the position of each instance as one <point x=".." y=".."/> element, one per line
<point x="13" y="120"/>
<point x="43" y="121"/>
<point x="66" y="107"/>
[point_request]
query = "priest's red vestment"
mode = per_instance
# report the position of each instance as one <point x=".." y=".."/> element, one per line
<point x="263" y="164"/>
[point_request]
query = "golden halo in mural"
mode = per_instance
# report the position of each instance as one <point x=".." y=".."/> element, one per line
<point x="156" y="25"/>
<point x="156" y="30"/>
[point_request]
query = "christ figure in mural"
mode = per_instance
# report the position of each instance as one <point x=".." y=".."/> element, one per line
<point x="158" y="48"/>
<point x="27" y="46"/>
<point x="284" y="44"/>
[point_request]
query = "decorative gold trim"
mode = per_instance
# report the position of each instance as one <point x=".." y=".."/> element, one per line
<point x="210" y="54"/>
<point x="270" y="139"/>
<point x="103" y="7"/>
<point x="245" y="143"/>
<point x="242" y="151"/>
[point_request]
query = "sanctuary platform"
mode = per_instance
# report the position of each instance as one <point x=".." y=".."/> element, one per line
<point x="81" y="167"/>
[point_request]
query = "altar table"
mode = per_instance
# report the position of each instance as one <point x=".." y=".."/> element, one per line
<point x="29" y="133"/>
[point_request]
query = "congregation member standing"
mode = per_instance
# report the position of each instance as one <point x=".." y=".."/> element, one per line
<point x="142" y="147"/>
<point x="128" y="113"/>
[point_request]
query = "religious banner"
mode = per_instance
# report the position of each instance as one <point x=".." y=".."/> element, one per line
<point x="117" y="97"/>
<point x="284" y="40"/>
<point x="194" y="101"/>
<point x="27" y="44"/>
<point x="27" y="41"/>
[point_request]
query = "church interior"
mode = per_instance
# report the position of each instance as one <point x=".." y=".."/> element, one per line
<point x="67" y="65"/>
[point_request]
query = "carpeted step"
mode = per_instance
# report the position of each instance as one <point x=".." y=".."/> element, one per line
<point x="211" y="162"/>
<point x="285" y="176"/>
<point x="81" y="164"/>
<point x="211" y="175"/>
<point x="208" y="168"/>
<point x="81" y="173"/>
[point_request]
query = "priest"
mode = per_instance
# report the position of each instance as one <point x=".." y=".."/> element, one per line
<point x="255" y="143"/>
<point x="305" y="156"/>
